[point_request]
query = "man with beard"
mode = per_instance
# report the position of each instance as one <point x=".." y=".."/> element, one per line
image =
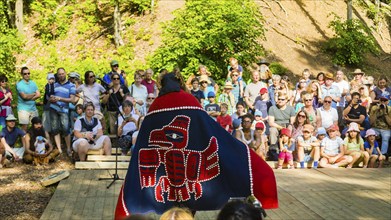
<point x="36" y="130"/>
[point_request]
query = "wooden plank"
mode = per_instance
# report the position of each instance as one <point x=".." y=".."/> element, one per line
<point x="97" y="158"/>
<point x="100" y="165"/>
<point x="100" y="151"/>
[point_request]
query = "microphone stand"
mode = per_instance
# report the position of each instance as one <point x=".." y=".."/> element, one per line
<point x="114" y="99"/>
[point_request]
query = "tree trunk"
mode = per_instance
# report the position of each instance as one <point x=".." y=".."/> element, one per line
<point x="350" y="9"/>
<point x="117" y="26"/>
<point x="19" y="15"/>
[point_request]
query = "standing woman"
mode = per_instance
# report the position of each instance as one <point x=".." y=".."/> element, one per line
<point x="92" y="92"/>
<point x="140" y="93"/>
<point x="5" y="100"/>
<point x="114" y="100"/>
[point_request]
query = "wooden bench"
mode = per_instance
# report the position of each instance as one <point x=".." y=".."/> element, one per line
<point x="95" y="160"/>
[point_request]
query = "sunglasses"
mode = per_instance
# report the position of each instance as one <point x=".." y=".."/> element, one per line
<point x="307" y="100"/>
<point x="204" y="82"/>
<point x="114" y="65"/>
<point x="26" y="74"/>
<point x="91" y="77"/>
<point x="115" y="78"/>
<point x="327" y="101"/>
<point x="302" y="116"/>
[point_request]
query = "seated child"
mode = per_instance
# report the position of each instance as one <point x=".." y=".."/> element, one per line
<point x="264" y="148"/>
<point x="286" y="149"/>
<point x="40" y="150"/>
<point x="332" y="150"/>
<point x="236" y="125"/>
<point x="308" y="147"/>
<point x="354" y="146"/>
<point x="321" y="134"/>
<point x="373" y="149"/>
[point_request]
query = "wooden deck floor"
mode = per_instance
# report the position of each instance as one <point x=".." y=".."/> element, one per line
<point x="303" y="194"/>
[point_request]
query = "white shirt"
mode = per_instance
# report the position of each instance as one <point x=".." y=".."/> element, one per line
<point x="342" y="85"/>
<point x="328" y="116"/>
<point x="331" y="147"/>
<point x="128" y="127"/>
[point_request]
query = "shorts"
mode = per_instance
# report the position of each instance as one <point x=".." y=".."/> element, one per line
<point x="59" y="122"/>
<point x="26" y="116"/>
<point x="99" y="115"/>
<point x="97" y="145"/>
<point x="18" y="151"/>
<point x="307" y="158"/>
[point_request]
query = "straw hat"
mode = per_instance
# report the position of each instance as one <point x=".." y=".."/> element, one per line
<point x="204" y="78"/>
<point x="228" y="85"/>
<point x="329" y="76"/>
<point x="358" y="71"/>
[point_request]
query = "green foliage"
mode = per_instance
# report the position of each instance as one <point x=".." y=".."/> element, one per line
<point x="140" y="6"/>
<point x="54" y="19"/>
<point x="209" y="32"/>
<point x="277" y="68"/>
<point x="10" y="44"/>
<point x="350" y="43"/>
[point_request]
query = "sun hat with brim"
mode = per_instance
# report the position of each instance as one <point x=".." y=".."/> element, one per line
<point x="263" y="61"/>
<point x="370" y="132"/>
<point x="321" y="131"/>
<point x="228" y="85"/>
<point x="308" y="127"/>
<point x="40" y="138"/>
<point x="114" y="62"/>
<point x="353" y="127"/>
<point x="333" y="127"/>
<point x="204" y="78"/>
<point x="329" y="76"/>
<point x="285" y="131"/>
<point x="358" y="71"/>
<point x="11" y="118"/>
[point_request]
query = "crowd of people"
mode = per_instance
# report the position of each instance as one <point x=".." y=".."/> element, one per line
<point x="323" y="120"/>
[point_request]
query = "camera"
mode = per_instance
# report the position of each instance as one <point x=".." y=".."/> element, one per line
<point x="382" y="106"/>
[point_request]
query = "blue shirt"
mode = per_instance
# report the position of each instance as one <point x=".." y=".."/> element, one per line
<point x="27" y="88"/>
<point x="368" y="146"/>
<point x="107" y="78"/>
<point x="333" y="91"/>
<point x="64" y="91"/>
<point x="12" y="136"/>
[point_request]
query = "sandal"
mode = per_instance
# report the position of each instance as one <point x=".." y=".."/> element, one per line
<point x="69" y="152"/>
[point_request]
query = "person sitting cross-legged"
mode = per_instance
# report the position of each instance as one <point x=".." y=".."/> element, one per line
<point x="332" y="150"/>
<point x="89" y="134"/>
<point x="36" y="130"/>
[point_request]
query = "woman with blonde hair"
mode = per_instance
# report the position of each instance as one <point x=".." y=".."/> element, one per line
<point x="177" y="213"/>
<point x="366" y="100"/>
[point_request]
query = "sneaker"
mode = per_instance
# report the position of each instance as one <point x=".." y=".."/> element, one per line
<point x="334" y="166"/>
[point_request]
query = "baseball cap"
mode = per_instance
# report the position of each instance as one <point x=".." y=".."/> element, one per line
<point x="333" y="127"/>
<point x="114" y="62"/>
<point x="258" y="113"/>
<point x="285" y="131"/>
<point x="236" y="123"/>
<point x="211" y="94"/>
<point x="263" y="91"/>
<point x="50" y="76"/>
<point x="260" y="125"/>
<point x="74" y="75"/>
